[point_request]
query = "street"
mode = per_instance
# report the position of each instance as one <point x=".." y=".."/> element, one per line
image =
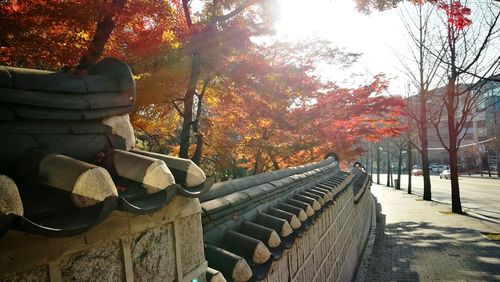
<point x="478" y="195"/>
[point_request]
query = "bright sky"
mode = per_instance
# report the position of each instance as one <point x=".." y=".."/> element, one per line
<point x="379" y="36"/>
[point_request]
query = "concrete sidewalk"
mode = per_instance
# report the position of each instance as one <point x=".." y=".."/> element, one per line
<point x="421" y="241"/>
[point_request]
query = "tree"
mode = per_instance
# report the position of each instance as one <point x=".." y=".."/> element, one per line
<point x="465" y="60"/>
<point x="200" y="77"/>
<point x="345" y="117"/>
<point x="51" y="34"/>
<point x="223" y="23"/>
<point x="260" y="97"/>
<point x="104" y="27"/>
<point x="417" y="23"/>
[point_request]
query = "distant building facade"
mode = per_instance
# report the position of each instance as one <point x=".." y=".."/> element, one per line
<point x="489" y="132"/>
<point x="480" y="144"/>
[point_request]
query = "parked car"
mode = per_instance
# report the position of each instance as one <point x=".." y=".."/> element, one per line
<point x="446" y="174"/>
<point x="433" y="168"/>
<point x="417" y="172"/>
<point x="437" y="168"/>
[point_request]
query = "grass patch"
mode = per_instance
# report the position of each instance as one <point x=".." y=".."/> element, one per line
<point x="446" y="212"/>
<point x="492" y="236"/>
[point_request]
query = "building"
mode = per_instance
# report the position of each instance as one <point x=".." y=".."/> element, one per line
<point x="478" y="146"/>
<point x="488" y="131"/>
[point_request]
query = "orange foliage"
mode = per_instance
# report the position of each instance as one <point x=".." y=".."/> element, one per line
<point x="262" y="108"/>
<point x="52" y="34"/>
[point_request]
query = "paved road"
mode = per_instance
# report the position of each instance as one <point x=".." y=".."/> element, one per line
<point x="478" y="195"/>
<point x="415" y="241"/>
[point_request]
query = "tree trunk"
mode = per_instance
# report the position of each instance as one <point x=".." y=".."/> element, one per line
<point x="255" y="166"/>
<point x="488" y="163"/>
<point x="498" y="162"/>
<point x="378" y="165"/>
<point x="371" y="162"/>
<point x="425" y="143"/>
<point x="481" y="163"/>
<point x="423" y="110"/>
<point x="196" y="126"/>
<point x="456" y="205"/>
<point x="188" y="105"/>
<point x="199" y="144"/>
<point x="388" y="169"/>
<point x="400" y="160"/>
<point x="276" y="165"/>
<point x="409" y="167"/>
<point x="102" y="32"/>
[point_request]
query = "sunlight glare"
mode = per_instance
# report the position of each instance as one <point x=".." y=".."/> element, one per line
<point x="300" y="20"/>
<point x="377" y="36"/>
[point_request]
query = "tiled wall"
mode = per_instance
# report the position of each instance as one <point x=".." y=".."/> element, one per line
<point x="160" y="246"/>
<point x="331" y="248"/>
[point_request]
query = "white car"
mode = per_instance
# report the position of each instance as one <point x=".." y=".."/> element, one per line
<point x="446" y="174"/>
<point x="417" y="172"/>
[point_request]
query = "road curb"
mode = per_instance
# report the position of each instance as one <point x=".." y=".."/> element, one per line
<point x="364" y="263"/>
<point x="480" y="177"/>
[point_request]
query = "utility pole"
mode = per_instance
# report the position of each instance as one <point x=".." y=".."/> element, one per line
<point x="371" y="162"/>
<point x="400" y="160"/>
<point x="409" y="141"/>
<point x="389" y="173"/>
<point x="409" y="167"/>
<point x="378" y="164"/>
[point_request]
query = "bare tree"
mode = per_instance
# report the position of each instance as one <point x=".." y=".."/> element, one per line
<point x="421" y="68"/>
<point x="465" y="60"/>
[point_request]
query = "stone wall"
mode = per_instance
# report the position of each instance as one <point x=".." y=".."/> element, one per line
<point x="331" y="248"/>
<point x="163" y="246"/>
<point x="168" y="246"/>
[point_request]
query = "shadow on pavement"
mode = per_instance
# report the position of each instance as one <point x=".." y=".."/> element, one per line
<point x="476" y="212"/>
<point x="421" y="251"/>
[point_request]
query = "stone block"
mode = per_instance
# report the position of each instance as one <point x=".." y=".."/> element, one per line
<point x="326" y="220"/>
<point x="317" y="259"/>
<point x="317" y="276"/>
<point x="308" y="244"/>
<point x="299" y="277"/>
<point x="191" y="234"/>
<point x="153" y="256"/>
<point x="300" y="243"/>
<point x="318" y="224"/>
<point x="310" y="268"/>
<point x="323" y="248"/>
<point x="283" y="270"/>
<point x="328" y="265"/>
<point x="293" y="259"/>
<point x="329" y="235"/>
<point x="103" y="263"/>
<point x="274" y="275"/>
<point x="40" y="273"/>
<point x="314" y="235"/>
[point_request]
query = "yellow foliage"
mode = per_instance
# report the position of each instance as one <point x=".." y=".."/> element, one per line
<point x="84" y="35"/>
<point x="264" y="122"/>
<point x="169" y="37"/>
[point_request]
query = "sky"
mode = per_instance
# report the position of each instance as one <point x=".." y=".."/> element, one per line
<point x="378" y="36"/>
